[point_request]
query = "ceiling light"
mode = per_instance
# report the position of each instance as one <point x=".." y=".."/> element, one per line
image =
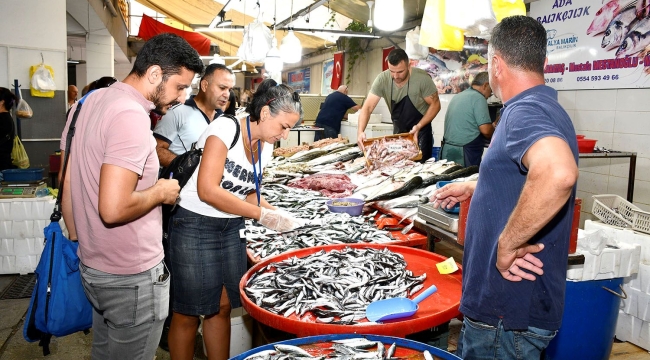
<point x="389" y="14"/>
<point x="243" y="67"/>
<point x="75" y="62"/>
<point x="224" y="23"/>
<point x="273" y="61"/>
<point x="291" y="49"/>
<point x="370" y="3"/>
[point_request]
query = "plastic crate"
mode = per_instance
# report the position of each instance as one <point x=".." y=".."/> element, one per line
<point x="23" y="174"/>
<point x="614" y="210"/>
<point x="641" y="221"/>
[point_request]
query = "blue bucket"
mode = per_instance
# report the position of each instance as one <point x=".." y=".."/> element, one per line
<point x="436" y="153"/>
<point x="588" y="322"/>
<point x="399" y="342"/>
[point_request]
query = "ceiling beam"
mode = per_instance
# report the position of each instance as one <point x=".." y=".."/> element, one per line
<point x="301" y="12"/>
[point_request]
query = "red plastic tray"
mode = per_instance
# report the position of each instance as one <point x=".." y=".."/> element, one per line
<point x="437" y="309"/>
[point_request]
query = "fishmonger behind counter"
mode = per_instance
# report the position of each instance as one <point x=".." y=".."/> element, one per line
<point x="468" y="124"/>
<point x="412" y="98"/>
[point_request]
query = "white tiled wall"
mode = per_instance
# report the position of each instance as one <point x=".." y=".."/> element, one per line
<point x="619" y="120"/>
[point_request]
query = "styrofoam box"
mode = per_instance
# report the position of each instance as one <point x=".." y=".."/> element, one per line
<point x="637" y="303"/>
<point x="624" y="236"/>
<point x="641" y="280"/>
<point x="632" y="329"/>
<point x="611" y="263"/>
<point x="22" y="221"/>
<point x="374" y="118"/>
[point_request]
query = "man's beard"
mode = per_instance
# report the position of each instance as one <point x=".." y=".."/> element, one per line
<point x="157" y="98"/>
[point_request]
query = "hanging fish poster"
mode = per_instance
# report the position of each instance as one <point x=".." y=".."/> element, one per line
<point x="453" y="71"/>
<point x="595" y="44"/>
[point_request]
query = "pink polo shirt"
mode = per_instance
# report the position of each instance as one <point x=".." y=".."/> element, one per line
<point x="113" y="128"/>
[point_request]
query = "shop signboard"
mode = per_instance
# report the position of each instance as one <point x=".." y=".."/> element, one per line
<point x="328" y="73"/>
<point x="299" y="80"/>
<point x="452" y="71"/>
<point x="595" y="45"/>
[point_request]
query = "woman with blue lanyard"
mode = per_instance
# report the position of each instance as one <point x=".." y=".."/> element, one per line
<point x="208" y="258"/>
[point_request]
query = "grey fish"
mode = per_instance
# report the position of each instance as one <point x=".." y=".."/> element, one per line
<point x="636" y="40"/>
<point x="619" y="27"/>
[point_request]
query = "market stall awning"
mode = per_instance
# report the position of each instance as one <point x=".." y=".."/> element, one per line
<point x="149" y="27"/>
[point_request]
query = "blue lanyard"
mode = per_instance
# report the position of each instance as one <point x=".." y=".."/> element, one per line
<point x="258" y="179"/>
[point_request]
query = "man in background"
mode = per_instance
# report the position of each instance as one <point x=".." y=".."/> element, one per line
<point x="112" y="199"/>
<point x="182" y="125"/>
<point x="72" y="95"/>
<point x="468" y="123"/>
<point x="519" y="221"/>
<point x="333" y="111"/>
<point x="412" y="98"/>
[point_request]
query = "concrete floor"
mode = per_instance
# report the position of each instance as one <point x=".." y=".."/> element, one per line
<point x="77" y="346"/>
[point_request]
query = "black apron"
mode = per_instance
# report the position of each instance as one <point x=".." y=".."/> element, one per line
<point x="405" y="115"/>
<point x="472" y="151"/>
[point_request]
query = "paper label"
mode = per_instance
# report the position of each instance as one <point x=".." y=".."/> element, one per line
<point x="447" y="267"/>
<point x="395" y="147"/>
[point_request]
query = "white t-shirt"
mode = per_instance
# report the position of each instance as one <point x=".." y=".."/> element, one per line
<point x="238" y="172"/>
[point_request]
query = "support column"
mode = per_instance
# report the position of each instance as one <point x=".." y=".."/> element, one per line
<point x="99" y="57"/>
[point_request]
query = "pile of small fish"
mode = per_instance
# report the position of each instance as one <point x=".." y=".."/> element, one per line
<point x="332" y="287"/>
<point x="354" y="348"/>
<point x="329" y="141"/>
<point x="386" y="152"/>
<point x="323" y="228"/>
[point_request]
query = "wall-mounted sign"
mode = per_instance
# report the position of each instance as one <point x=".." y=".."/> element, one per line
<point x="594" y="45"/>
<point x="328" y="73"/>
<point x="299" y="80"/>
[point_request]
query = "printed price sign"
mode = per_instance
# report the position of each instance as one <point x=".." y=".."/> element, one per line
<point x="448" y="266"/>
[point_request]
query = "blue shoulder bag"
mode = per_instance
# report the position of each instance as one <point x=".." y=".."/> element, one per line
<point x="58" y="305"/>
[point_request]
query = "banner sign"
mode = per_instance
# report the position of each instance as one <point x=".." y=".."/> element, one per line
<point x="594" y="45"/>
<point x="453" y="71"/>
<point x="328" y="73"/>
<point x="299" y="80"/>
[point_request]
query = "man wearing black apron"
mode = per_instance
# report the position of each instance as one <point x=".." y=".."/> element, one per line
<point x="468" y="125"/>
<point x="412" y="97"/>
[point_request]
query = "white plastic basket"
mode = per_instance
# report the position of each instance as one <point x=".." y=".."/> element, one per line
<point x="614" y="210"/>
<point x="641" y="221"/>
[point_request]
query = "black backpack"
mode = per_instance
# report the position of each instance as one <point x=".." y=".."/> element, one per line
<point x="184" y="165"/>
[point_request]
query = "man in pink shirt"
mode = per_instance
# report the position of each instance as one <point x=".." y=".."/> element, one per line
<point x="112" y="199"/>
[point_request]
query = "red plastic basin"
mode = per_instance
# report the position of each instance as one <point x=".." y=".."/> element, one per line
<point x="580" y="136"/>
<point x="586" y="145"/>
<point x="437" y="309"/>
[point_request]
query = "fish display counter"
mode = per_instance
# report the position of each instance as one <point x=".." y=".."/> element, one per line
<point x="309" y="312"/>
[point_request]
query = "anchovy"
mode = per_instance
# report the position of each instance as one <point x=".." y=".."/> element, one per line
<point x="334" y="286"/>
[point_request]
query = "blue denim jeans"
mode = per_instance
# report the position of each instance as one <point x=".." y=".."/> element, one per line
<point x="478" y="340"/>
<point x="206" y="255"/>
<point x="129" y="312"/>
<point x="328" y="132"/>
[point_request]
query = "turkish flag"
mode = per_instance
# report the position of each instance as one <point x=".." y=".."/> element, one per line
<point x="384" y="65"/>
<point x="337" y="71"/>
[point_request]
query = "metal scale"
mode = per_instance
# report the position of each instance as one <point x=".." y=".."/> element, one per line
<point x="438" y="218"/>
<point x="20" y="189"/>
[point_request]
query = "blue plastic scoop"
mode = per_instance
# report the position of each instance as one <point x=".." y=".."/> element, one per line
<point x="396" y="308"/>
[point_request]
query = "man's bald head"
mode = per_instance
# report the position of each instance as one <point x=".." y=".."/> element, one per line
<point x="343" y="89"/>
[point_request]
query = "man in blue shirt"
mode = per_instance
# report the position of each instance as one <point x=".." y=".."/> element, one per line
<point x="519" y="222"/>
<point x="333" y="111"/>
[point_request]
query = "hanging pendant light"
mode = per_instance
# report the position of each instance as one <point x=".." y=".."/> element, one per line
<point x="273" y="61"/>
<point x="389" y="14"/>
<point x="291" y="49"/>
